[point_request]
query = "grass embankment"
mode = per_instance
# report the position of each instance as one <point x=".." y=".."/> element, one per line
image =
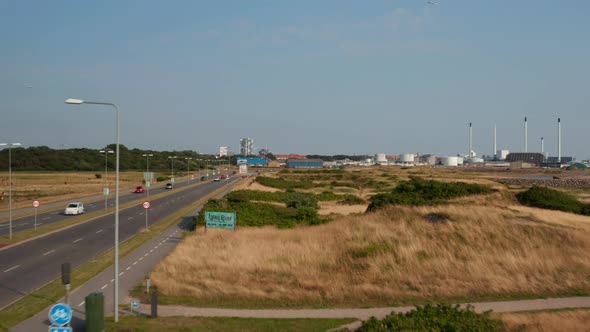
<point x="546" y="198"/>
<point x="213" y="324"/>
<point x="39" y="299"/>
<point x="393" y="256"/>
<point x="551" y="320"/>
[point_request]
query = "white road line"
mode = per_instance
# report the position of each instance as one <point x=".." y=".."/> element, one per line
<point x="120" y="274"/>
<point x="151" y="250"/>
<point x="12" y="268"/>
<point x="46" y="218"/>
<point x="141" y="213"/>
<point x="53" y="212"/>
<point x="77" y="240"/>
<point x="81" y="303"/>
<point x="49" y="252"/>
<point x="129" y="218"/>
<point x="128" y="268"/>
<point x="140" y="258"/>
<point x="100" y="230"/>
<point x="134" y="263"/>
<point x="103" y="287"/>
<point x="112" y="280"/>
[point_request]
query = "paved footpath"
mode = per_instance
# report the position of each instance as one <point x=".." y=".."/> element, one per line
<point x="365" y="313"/>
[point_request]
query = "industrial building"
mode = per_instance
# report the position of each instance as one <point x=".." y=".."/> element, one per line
<point x="530" y="157"/>
<point x="305" y="163"/>
<point x="246" y="146"/>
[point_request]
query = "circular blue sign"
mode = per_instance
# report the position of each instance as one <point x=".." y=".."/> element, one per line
<point x="60" y="314"/>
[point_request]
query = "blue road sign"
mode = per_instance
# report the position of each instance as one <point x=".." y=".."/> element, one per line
<point x="60" y="314"/>
<point x="134" y="304"/>
<point x="60" y="329"/>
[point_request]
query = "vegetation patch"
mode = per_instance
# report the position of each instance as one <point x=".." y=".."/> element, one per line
<point x="419" y="192"/>
<point x="438" y="217"/>
<point x="282" y="183"/>
<point x="546" y="198"/>
<point x="280" y="196"/>
<point x="350" y="199"/>
<point x="440" y="317"/>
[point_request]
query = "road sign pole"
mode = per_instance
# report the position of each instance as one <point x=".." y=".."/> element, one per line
<point x="35" y="220"/>
<point x="146" y="220"/>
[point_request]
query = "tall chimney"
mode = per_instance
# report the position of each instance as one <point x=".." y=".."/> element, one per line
<point x="542" y="147"/>
<point x="470" y="141"/>
<point x="525" y="135"/>
<point x="495" y="148"/>
<point x="559" y="140"/>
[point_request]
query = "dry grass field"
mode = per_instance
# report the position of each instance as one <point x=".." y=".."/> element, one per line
<point x="489" y="247"/>
<point x="547" y="321"/>
<point x="57" y="186"/>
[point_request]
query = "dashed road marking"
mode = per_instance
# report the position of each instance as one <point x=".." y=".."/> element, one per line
<point x="112" y="280"/>
<point x="81" y="303"/>
<point x="46" y="218"/>
<point x="151" y="250"/>
<point x="140" y="258"/>
<point x="100" y="230"/>
<point x="77" y="240"/>
<point x="129" y="218"/>
<point x="103" y="287"/>
<point x="49" y="252"/>
<point x="120" y="274"/>
<point x="12" y="268"/>
<point x="128" y="268"/>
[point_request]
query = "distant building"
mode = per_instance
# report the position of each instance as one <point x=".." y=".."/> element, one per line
<point x="564" y="160"/>
<point x="305" y="163"/>
<point x="502" y="154"/>
<point x="246" y="146"/>
<point x="284" y="157"/>
<point x="526" y="157"/>
<point x="223" y="151"/>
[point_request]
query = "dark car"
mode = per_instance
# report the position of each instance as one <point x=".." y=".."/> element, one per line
<point x="168" y="186"/>
<point x="203" y="178"/>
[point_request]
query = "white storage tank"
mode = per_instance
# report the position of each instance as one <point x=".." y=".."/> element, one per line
<point x="431" y="160"/>
<point x="450" y="161"/>
<point x="407" y="158"/>
<point x="460" y="161"/>
<point x="381" y="158"/>
<point x="476" y="160"/>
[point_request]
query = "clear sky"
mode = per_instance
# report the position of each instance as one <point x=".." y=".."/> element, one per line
<point x="311" y="77"/>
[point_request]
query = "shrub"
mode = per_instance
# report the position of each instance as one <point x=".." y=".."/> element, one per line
<point x="543" y="197"/>
<point x="162" y="178"/>
<point x="440" y="317"/>
<point x="98" y="176"/>
<point x="418" y="191"/>
<point x="297" y="200"/>
<point x="281" y="183"/>
<point x="350" y="199"/>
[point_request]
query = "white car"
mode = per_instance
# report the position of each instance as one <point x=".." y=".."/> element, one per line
<point x="217" y="179"/>
<point x="74" y="208"/>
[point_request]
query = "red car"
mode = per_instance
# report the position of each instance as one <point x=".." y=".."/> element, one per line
<point x="139" y="190"/>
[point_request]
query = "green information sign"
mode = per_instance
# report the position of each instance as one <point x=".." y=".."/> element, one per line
<point x="172" y="180"/>
<point x="105" y="191"/>
<point x="226" y="220"/>
<point x="147" y="184"/>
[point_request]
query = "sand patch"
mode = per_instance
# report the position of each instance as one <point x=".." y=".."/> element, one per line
<point x="327" y="208"/>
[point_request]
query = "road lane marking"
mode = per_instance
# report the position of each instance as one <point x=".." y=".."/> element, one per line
<point x="49" y="252"/>
<point x="134" y="263"/>
<point x="12" y="268"/>
<point x="146" y="254"/>
<point x="129" y="218"/>
<point x="103" y="287"/>
<point x="151" y="250"/>
<point x="128" y="268"/>
<point x="120" y="274"/>
<point x="141" y="213"/>
<point x="81" y="303"/>
<point x="112" y="280"/>
<point x="53" y="212"/>
<point x="46" y="218"/>
<point x="77" y="240"/>
<point x="140" y="258"/>
<point x="100" y="230"/>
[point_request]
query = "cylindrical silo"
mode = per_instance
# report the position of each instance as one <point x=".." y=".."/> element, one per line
<point x="381" y="158"/>
<point x="407" y="158"/>
<point x="449" y="161"/>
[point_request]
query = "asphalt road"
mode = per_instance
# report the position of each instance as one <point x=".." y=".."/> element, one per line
<point x="55" y="215"/>
<point x="28" y="266"/>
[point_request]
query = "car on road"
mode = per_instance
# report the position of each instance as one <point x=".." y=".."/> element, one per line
<point x="74" y="208"/>
<point x="168" y="186"/>
<point x="139" y="190"/>
<point x="223" y="177"/>
<point x="217" y="179"/>
<point x="203" y="178"/>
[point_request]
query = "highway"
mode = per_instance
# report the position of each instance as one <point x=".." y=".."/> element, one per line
<point x="28" y="266"/>
<point x="48" y="217"/>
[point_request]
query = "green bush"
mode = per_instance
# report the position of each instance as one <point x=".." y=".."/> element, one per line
<point x="543" y="197"/>
<point x="98" y="176"/>
<point x="439" y="318"/>
<point x="417" y="191"/>
<point x="282" y="183"/>
<point x="350" y="199"/>
<point x="297" y="200"/>
<point x="162" y="178"/>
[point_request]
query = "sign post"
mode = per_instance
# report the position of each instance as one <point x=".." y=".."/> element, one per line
<point x="146" y="205"/>
<point x="36" y="204"/>
<point x="224" y="220"/>
<point x="59" y="316"/>
<point x="134" y="304"/>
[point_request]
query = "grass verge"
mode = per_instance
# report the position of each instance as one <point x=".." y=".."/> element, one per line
<point x="212" y="324"/>
<point x="48" y="294"/>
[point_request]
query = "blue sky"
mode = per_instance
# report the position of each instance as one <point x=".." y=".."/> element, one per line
<point x="325" y="77"/>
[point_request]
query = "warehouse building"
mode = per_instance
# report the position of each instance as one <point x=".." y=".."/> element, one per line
<point x="527" y="157"/>
<point x="252" y="161"/>
<point x="305" y="163"/>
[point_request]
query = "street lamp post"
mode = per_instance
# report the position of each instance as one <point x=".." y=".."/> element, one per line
<point x="116" y="263"/>
<point x="172" y="158"/>
<point x="188" y="168"/>
<point x="106" y="183"/>
<point x="10" y="145"/>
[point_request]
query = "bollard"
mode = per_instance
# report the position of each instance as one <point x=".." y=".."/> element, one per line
<point x="154" y="305"/>
<point x="94" y="312"/>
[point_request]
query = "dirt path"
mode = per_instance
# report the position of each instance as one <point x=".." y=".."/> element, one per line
<point x="364" y="314"/>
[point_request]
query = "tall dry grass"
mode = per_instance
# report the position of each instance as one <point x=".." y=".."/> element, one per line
<point x="394" y="255"/>
<point x="547" y="321"/>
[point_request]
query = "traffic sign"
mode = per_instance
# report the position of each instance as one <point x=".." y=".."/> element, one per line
<point x="147" y="184"/>
<point x="60" y="329"/>
<point x="134" y="304"/>
<point x="105" y="191"/>
<point x="172" y="180"/>
<point x="36" y="204"/>
<point x="146" y="205"/>
<point x="60" y="314"/>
